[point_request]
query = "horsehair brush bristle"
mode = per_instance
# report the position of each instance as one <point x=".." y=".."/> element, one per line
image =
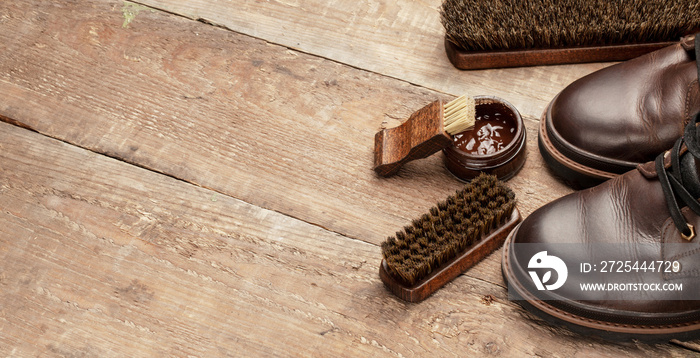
<point x="474" y="25"/>
<point x="448" y="229"/>
<point x="459" y="114"/>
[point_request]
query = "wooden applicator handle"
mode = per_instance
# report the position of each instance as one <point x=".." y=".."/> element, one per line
<point x="420" y="136"/>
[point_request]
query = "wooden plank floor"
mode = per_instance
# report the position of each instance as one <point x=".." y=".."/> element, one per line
<point x="194" y="178"/>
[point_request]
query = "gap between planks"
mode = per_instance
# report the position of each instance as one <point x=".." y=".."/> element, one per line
<point x="13" y="122"/>
<point x="301" y="51"/>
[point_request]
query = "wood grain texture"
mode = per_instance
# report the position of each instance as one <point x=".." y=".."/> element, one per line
<point x="420" y="136"/>
<point x="212" y="194"/>
<point x="100" y="258"/>
<point x="403" y="39"/>
<point x="273" y="127"/>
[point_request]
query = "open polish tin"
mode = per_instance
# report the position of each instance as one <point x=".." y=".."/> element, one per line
<point x="495" y="145"/>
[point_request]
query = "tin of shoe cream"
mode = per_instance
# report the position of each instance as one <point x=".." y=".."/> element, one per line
<point x="495" y="145"/>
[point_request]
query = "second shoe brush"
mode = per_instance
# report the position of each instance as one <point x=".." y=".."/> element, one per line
<point x="454" y="236"/>
<point x="512" y="33"/>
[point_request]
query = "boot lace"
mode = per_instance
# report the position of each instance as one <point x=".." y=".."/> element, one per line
<point x="672" y="181"/>
<point x="671" y="178"/>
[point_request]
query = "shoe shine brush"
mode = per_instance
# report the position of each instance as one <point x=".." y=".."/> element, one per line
<point x="452" y="237"/>
<point x="426" y="131"/>
<point x="510" y="33"/>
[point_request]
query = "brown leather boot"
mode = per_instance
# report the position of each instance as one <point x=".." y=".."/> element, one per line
<point x="608" y="122"/>
<point x="621" y="259"/>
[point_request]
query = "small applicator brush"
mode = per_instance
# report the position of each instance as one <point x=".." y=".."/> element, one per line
<point x="454" y="236"/>
<point x="459" y="115"/>
<point x="426" y="131"/>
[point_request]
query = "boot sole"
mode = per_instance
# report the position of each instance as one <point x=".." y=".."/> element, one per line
<point x="607" y="330"/>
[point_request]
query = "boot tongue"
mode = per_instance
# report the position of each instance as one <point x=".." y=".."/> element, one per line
<point x="690" y="175"/>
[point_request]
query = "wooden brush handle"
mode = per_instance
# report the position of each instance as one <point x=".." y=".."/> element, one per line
<point x="475" y="60"/>
<point x="420" y="136"/>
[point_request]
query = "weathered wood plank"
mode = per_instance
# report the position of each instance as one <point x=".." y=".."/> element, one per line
<point x="273" y="127"/>
<point x="402" y="39"/>
<point x="99" y="258"/>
